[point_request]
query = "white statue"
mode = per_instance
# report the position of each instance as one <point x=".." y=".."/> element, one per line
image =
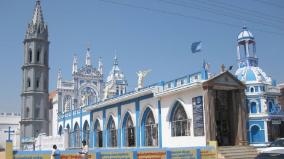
<point x="84" y="99"/>
<point x="141" y="75"/>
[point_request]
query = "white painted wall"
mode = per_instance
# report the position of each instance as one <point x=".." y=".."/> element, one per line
<point x="54" y="121"/>
<point x="167" y="103"/>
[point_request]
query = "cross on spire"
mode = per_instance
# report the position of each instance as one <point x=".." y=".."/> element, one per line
<point x="9" y="131"/>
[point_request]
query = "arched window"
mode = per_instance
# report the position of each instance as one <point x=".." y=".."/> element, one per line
<point x="27" y="112"/>
<point x="28" y="82"/>
<point x="253" y="108"/>
<point x="179" y="121"/>
<point x="128" y="131"/>
<point x="270" y="107"/>
<point x="67" y="103"/>
<point x="37" y="83"/>
<point x="68" y="131"/>
<point x="98" y="134"/>
<point x="38" y="56"/>
<point x="60" y="130"/>
<point x="88" y="96"/>
<point x="150" y="128"/>
<point x="86" y="132"/>
<point x="252" y="89"/>
<point x="30" y="56"/>
<point x="76" y="133"/>
<point x="112" y="133"/>
<point x="117" y="90"/>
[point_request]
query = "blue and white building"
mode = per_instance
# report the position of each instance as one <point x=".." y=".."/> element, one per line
<point x="178" y="113"/>
<point x="266" y="119"/>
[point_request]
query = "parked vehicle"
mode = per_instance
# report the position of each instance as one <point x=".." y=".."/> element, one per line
<point x="274" y="151"/>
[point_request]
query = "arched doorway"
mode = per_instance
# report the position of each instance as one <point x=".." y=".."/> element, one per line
<point x="98" y="134"/>
<point x="76" y="133"/>
<point x="60" y="130"/>
<point x="86" y="132"/>
<point x="68" y="131"/>
<point x="255" y="134"/>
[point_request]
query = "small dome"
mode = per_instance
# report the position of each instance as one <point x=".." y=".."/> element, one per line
<point x="245" y="34"/>
<point x="252" y="75"/>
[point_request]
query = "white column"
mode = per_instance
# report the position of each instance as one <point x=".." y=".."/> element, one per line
<point x="66" y="139"/>
<point x="238" y="52"/>
<point x="265" y="131"/>
<point x="247" y="49"/>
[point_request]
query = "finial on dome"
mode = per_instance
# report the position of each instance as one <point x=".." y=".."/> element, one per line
<point x="245" y="27"/>
<point x="115" y="60"/>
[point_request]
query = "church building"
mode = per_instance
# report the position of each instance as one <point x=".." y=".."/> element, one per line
<point x="191" y="108"/>
<point x="186" y="111"/>
<point x="266" y="119"/>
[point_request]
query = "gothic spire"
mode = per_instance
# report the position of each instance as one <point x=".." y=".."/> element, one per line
<point x="37" y="17"/>
<point x="100" y="65"/>
<point x="75" y="65"/>
<point x="88" y="58"/>
<point x="59" y="79"/>
<point x="37" y="28"/>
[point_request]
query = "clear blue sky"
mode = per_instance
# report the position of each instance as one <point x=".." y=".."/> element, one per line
<point x="148" y="34"/>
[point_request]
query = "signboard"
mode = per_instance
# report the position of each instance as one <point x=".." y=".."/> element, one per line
<point x="116" y="155"/>
<point x="32" y="156"/>
<point x="198" y="120"/>
<point x="183" y="154"/>
<point x="77" y="156"/>
<point x="276" y="122"/>
<point x="151" y="155"/>
<point x="208" y="154"/>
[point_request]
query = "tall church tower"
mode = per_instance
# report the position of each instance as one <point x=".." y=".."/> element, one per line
<point x="34" y="95"/>
<point x="246" y="50"/>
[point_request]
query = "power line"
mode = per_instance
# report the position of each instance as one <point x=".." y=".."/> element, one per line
<point x="183" y="15"/>
<point x="216" y="12"/>
<point x="271" y="4"/>
<point x="242" y="10"/>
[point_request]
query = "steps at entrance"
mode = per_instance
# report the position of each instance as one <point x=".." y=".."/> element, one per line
<point x="237" y="152"/>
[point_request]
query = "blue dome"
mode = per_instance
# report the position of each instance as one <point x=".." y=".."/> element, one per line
<point x="250" y="76"/>
<point x="245" y="34"/>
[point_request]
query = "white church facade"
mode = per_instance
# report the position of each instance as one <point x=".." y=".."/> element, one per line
<point x="165" y="114"/>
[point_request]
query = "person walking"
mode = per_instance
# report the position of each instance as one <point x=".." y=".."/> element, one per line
<point x="84" y="151"/>
<point x="55" y="153"/>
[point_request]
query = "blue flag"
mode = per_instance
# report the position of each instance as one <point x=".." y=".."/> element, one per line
<point x="196" y="47"/>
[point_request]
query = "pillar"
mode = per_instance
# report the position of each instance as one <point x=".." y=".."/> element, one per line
<point x="9" y="149"/>
<point x="209" y="107"/>
<point x="66" y="138"/>
<point x="242" y="118"/>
